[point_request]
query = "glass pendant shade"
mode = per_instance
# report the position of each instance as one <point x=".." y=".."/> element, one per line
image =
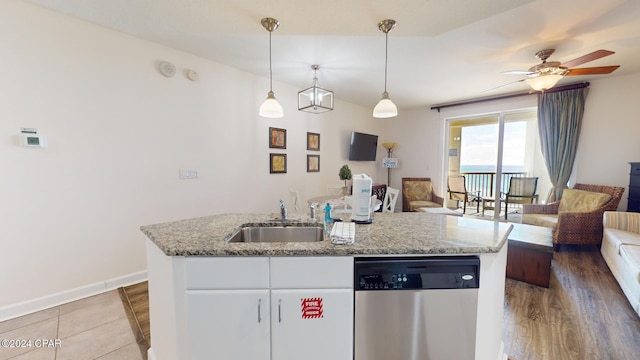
<point x="271" y="108"/>
<point x="543" y="82"/>
<point x="315" y="99"/>
<point x="385" y="108"/>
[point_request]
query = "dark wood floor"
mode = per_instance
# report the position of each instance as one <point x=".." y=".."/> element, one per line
<point x="135" y="299"/>
<point x="583" y="315"/>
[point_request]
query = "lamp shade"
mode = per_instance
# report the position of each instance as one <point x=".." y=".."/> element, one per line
<point x="543" y="82"/>
<point x="270" y="108"/>
<point x="385" y="108"/>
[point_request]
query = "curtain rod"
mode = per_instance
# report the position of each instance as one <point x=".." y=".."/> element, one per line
<point x="511" y="95"/>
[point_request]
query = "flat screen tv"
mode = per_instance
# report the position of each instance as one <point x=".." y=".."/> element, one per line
<point x="363" y="147"/>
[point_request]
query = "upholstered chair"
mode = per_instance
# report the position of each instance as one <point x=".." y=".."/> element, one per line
<point x="417" y="193"/>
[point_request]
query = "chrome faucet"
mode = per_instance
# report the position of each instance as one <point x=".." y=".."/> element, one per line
<point x="312" y="210"/>
<point x="283" y="210"/>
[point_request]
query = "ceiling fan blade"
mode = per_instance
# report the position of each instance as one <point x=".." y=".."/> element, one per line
<point x="518" y="72"/>
<point x="586" y="58"/>
<point x="501" y="86"/>
<point x="600" y="70"/>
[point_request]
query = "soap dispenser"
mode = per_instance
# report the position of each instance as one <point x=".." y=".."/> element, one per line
<point x="328" y="220"/>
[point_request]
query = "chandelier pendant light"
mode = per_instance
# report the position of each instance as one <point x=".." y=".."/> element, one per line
<point x="270" y="108"/>
<point x="315" y="99"/>
<point x="385" y="107"/>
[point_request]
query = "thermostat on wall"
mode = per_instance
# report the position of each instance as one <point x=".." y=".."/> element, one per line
<point x="30" y="138"/>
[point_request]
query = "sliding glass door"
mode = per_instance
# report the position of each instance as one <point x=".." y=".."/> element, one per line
<point x="490" y="150"/>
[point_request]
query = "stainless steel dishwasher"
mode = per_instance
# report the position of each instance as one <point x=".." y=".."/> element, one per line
<point x="416" y="308"/>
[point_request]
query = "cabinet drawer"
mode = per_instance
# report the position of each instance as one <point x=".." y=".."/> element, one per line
<point x="227" y="273"/>
<point x="635" y="168"/>
<point x="634" y="180"/>
<point x="312" y="272"/>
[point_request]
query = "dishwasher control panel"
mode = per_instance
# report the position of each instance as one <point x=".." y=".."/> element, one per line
<point x="389" y="281"/>
<point x="455" y="272"/>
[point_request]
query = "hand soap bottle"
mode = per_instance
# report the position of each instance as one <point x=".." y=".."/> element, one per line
<point x="328" y="220"/>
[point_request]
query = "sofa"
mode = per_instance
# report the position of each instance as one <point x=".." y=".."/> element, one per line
<point x="417" y="193"/>
<point x="621" y="251"/>
<point x="577" y="218"/>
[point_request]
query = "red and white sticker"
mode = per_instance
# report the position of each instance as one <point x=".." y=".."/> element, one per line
<point x="311" y="308"/>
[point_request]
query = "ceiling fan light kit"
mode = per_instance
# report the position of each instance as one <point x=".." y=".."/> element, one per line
<point x="546" y="75"/>
<point x="385" y="107"/>
<point x="315" y="99"/>
<point x="270" y="108"/>
<point x="543" y="82"/>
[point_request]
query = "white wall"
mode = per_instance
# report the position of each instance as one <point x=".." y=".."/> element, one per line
<point x="609" y="137"/>
<point x="118" y="132"/>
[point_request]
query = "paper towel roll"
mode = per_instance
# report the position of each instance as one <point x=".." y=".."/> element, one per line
<point x="361" y="197"/>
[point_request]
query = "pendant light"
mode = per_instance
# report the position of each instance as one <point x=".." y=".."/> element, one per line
<point x="270" y="108"/>
<point x="385" y="108"/>
<point x="315" y="99"/>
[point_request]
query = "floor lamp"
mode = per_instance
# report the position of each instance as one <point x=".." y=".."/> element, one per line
<point x="389" y="162"/>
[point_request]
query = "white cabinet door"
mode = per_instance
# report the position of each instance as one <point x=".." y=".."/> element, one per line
<point x="228" y="324"/>
<point x="312" y="324"/>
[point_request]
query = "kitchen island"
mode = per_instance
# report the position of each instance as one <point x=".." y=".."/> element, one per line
<point x="201" y="288"/>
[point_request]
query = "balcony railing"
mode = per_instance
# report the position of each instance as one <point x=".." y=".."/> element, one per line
<point x="485" y="182"/>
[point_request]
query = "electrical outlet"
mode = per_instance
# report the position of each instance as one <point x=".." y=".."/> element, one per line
<point x="188" y="174"/>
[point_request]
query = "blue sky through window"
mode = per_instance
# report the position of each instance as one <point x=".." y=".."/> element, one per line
<point x="479" y="147"/>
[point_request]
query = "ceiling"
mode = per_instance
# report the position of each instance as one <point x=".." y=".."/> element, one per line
<point x="439" y="52"/>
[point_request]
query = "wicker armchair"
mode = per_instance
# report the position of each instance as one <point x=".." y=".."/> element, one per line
<point x="581" y="228"/>
<point x="417" y="193"/>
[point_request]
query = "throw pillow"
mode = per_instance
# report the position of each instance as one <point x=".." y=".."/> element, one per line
<point x="582" y="201"/>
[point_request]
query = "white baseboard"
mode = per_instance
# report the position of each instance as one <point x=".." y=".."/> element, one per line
<point x="48" y="301"/>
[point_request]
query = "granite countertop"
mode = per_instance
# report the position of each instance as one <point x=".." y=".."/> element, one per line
<point x="390" y="233"/>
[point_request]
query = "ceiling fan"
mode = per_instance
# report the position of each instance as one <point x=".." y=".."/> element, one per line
<point x="546" y="74"/>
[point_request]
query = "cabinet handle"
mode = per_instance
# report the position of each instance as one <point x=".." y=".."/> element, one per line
<point x="279" y="310"/>
<point x="259" y="305"/>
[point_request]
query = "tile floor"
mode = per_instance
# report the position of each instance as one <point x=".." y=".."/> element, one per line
<point x="96" y="327"/>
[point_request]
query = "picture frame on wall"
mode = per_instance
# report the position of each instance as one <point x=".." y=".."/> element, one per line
<point x="313" y="141"/>
<point x="313" y="163"/>
<point x="277" y="163"/>
<point x="277" y="138"/>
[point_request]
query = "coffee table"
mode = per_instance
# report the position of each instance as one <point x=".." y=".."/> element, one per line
<point x="530" y="253"/>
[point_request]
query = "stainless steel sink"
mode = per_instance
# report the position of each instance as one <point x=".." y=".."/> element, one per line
<point x="278" y="234"/>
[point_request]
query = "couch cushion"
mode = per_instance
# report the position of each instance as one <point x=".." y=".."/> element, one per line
<point x="414" y="205"/>
<point x="582" y="201"/>
<point x="631" y="255"/>
<point x="546" y="220"/>
<point x="618" y="238"/>
<point x="417" y="190"/>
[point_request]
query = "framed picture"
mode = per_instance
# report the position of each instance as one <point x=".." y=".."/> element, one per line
<point x="313" y="141"/>
<point x="313" y="163"/>
<point x="277" y="163"/>
<point x="277" y="138"/>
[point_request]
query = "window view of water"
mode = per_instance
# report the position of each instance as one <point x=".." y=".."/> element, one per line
<point x="490" y="168"/>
